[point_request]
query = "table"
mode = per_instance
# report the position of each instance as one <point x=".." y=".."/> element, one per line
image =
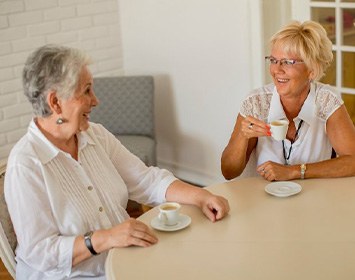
<point x="310" y="235"/>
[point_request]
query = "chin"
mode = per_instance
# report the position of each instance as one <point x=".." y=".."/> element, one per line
<point x="282" y="89"/>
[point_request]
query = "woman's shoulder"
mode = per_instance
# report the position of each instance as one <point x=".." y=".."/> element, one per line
<point x="23" y="153"/>
<point x="257" y="102"/>
<point x="266" y="90"/>
<point x="326" y="90"/>
<point x="327" y="100"/>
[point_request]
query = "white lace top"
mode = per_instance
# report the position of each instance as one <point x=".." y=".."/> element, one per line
<point x="312" y="144"/>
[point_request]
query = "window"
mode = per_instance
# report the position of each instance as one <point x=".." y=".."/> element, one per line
<point x="338" y="18"/>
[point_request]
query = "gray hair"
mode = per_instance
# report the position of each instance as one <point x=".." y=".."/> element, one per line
<point x="52" y="68"/>
<point x="309" y="40"/>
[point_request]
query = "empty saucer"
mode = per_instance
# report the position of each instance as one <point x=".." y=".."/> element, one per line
<point x="283" y="189"/>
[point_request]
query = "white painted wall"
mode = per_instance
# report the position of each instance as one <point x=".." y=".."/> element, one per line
<point x="205" y="55"/>
<point x="277" y="13"/>
<point x="91" y="25"/>
<point x="200" y="53"/>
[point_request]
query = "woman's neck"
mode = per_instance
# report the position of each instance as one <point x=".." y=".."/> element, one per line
<point x="67" y="142"/>
<point x="292" y="105"/>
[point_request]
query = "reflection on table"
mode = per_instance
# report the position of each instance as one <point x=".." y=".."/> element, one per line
<point x="310" y="235"/>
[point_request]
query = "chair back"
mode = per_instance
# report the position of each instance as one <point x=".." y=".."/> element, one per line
<point x="8" y="241"/>
<point x="126" y="105"/>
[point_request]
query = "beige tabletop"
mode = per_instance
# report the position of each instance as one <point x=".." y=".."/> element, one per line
<point x="310" y="235"/>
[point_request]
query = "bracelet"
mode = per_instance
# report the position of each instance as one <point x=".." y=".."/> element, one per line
<point x="303" y="170"/>
<point x="87" y="238"/>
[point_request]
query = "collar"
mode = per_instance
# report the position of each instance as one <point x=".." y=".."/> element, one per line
<point x="46" y="150"/>
<point x="308" y="109"/>
<point x="277" y="112"/>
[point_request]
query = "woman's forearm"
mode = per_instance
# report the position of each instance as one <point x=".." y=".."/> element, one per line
<point x="100" y="242"/>
<point x="185" y="193"/>
<point x="342" y="166"/>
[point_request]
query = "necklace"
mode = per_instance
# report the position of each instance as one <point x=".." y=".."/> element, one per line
<point x="287" y="157"/>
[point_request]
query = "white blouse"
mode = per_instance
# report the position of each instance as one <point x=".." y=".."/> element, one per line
<point x="53" y="198"/>
<point x="312" y="144"/>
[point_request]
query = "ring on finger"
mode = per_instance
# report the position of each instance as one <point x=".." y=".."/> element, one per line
<point x="250" y="126"/>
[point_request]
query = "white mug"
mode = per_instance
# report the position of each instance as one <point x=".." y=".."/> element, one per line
<point x="279" y="129"/>
<point x="169" y="213"/>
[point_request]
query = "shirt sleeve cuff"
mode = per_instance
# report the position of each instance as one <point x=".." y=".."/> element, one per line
<point x="66" y="254"/>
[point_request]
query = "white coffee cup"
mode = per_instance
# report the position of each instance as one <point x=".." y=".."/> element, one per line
<point x="279" y="129"/>
<point x="169" y="213"/>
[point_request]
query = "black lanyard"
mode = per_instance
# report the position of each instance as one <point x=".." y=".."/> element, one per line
<point x="290" y="150"/>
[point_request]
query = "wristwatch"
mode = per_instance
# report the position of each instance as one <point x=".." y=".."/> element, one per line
<point x="87" y="238"/>
<point x="303" y="170"/>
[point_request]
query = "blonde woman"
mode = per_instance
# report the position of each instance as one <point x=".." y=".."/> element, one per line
<point x="318" y="119"/>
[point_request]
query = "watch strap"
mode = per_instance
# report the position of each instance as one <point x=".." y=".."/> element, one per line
<point x="87" y="238"/>
<point x="303" y="170"/>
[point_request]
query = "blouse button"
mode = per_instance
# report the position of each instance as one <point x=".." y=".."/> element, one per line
<point x="101" y="209"/>
<point x="90" y="188"/>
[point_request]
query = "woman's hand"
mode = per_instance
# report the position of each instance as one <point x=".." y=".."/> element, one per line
<point x="213" y="206"/>
<point x="273" y="171"/>
<point x="131" y="232"/>
<point x="253" y="127"/>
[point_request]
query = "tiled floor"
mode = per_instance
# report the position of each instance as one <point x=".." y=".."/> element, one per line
<point x="4" y="275"/>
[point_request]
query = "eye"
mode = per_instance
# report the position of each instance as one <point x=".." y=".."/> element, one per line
<point x="273" y="60"/>
<point x="88" y="91"/>
<point x="289" y="61"/>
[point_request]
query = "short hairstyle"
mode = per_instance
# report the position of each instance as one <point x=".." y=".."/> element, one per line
<point x="309" y="40"/>
<point x="52" y="67"/>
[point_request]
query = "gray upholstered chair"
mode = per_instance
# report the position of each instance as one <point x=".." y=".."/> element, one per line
<point x="126" y="109"/>
<point x="8" y="240"/>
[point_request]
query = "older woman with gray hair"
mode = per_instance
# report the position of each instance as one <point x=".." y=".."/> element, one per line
<point x="68" y="180"/>
<point x="318" y="120"/>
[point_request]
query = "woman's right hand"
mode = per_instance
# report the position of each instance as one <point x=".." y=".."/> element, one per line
<point x="132" y="232"/>
<point x="253" y="127"/>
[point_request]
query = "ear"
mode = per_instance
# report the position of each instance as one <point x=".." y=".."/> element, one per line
<point x="53" y="102"/>
<point x="311" y="75"/>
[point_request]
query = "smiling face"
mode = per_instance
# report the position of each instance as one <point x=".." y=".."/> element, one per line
<point x="290" y="81"/>
<point x="77" y="108"/>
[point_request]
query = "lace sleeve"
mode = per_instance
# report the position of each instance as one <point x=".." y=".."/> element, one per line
<point x="256" y="105"/>
<point x="327" y="103"/>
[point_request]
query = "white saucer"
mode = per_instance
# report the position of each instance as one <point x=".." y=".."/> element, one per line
<point x="283" y="189"/>
<point x="182" y="223"/>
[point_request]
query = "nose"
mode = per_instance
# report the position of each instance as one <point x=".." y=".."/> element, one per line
<point x="94" y="100"/>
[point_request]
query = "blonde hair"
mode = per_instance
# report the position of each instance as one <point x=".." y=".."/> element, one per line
<point x="309" y="40"/>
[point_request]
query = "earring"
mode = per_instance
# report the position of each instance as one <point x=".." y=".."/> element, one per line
<point x="59" y="121"/>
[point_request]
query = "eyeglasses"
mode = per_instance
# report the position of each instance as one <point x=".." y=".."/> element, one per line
<point x="283" y="62"/>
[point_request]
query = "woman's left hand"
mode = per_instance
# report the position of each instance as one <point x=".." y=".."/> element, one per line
<point x="214" y="207"/>
<point x="273" y="171"/>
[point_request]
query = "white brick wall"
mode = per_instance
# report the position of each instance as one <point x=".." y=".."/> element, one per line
<point x="91" y="25"/>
